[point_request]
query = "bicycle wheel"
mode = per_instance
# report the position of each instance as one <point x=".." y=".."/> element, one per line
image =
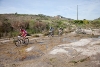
<point x="26" y="41"/>
<point x="50" y="34"/>
<point x="17" y="43"/>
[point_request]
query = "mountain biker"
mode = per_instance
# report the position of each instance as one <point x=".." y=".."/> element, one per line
<point x="23" y="33"/>
<point x="51" y="31"/>
<point x="60" y="30"/>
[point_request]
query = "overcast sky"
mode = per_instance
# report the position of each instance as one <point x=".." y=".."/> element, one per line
<point x="87" y="9"/>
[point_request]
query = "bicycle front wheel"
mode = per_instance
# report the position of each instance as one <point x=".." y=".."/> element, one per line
<point x="26" y="41"/>
<point x="17" y="43"/>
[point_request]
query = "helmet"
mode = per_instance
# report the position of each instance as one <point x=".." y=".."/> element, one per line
<point x="21" y="29"/>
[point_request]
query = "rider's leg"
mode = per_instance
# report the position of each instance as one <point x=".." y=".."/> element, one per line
<point x="24" y="36"/>
<point x="52" y="33"/>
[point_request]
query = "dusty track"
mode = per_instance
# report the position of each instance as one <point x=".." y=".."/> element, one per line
<point x="51" y="52"/>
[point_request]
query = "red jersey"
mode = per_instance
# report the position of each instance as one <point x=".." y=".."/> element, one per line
<point x="23" y="32"/>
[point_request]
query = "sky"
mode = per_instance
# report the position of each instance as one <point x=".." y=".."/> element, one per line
<point x="87" y="9"/>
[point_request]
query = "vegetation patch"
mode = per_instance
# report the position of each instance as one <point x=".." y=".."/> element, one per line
<point x="73" y="62"/>
<point x="52" y="59"/>
<point x="81" y="60"/>
<point x="10" y="23"/>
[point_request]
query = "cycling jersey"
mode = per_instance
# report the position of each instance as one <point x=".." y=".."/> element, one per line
<point x="23" y="32"/>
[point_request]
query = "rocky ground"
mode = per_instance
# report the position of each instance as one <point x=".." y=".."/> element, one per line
<point x="69" y="50"/>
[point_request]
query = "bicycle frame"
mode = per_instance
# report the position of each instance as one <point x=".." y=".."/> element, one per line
<point x="20" y="40"/>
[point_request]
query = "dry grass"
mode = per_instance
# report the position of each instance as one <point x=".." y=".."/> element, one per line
<point x="81" y="60"/>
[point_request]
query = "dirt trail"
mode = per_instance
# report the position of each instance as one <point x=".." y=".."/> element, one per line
<point x="65" y="51"/>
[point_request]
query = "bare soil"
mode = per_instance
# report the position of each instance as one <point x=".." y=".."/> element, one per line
<point x="37" y="53"/>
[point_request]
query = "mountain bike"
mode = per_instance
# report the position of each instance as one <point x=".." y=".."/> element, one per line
<point x="19" y="40"/>
<point x="60" y="32"/>
<point x="50" y="33"/>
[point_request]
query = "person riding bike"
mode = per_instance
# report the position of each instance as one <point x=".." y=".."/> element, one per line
<point x="51" y="31"/>
<point x="60" y="31"/>
<point x="23" y="33"/>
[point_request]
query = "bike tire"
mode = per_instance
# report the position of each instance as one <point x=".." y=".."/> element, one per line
<point x="17" y="43"/>
<point x="26" y="41"/>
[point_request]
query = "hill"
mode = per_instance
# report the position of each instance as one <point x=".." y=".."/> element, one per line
<point x="10" y="23"/>
<point x="33" y="23"/>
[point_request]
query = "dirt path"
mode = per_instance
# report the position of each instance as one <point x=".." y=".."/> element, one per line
<point x="65" y="51"/>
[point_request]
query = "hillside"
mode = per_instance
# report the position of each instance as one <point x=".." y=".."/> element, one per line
<point x="33" y="23"/>
<point x="28" y="17"/>
<point x="10" y="23"/>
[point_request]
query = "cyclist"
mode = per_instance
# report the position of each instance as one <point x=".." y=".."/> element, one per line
<point x="51" y="31"/>
<point x="23" y="33"/>
<point x="60" y="31"/>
